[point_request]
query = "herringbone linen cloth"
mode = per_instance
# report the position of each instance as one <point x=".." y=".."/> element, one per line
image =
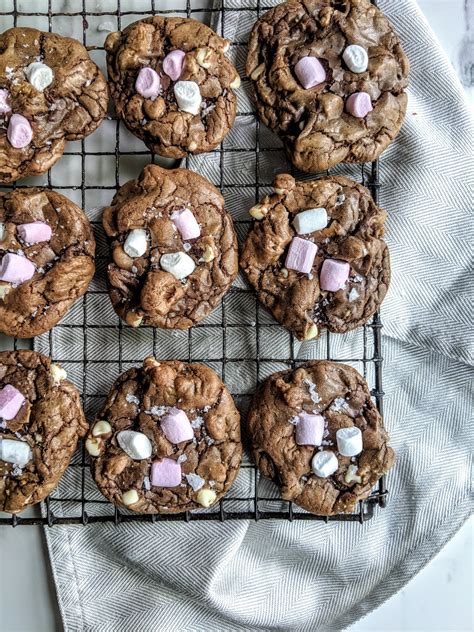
<point x="276" y="575"/>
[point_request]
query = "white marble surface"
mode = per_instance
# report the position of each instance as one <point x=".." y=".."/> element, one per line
<point x="438" y="599"/>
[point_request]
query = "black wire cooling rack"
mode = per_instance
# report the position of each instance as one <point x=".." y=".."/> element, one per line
<point x="77" y="500"/>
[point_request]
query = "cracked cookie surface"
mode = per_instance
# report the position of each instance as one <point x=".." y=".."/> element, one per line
<point x="50" y="421"/>
<point x="158" y="121"/>
<point x="141" y="290"/>
<point x="340" y="395"/>
<point x="353" y="235"/>
<point x="206" y="463"/>
<point x="71" y="107"/>
<point x="314" y="123"/>
<point x="63" y="265"/>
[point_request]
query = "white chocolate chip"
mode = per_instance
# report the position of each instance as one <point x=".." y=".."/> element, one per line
<point x="235" y="83"/>
<point x="188" y="96"/>
<point x="101" y="428"/>
<point x="311" y="220"/>
<point x="351" y="475"/>
<point x="324" y="463"/>
<point x="202" y="55"/>
<point x="284" y="273"/>
<point x="93" y="446"/>
<point x="206" y="497"/>
<point x="226" y="46"/>
<point x="192" y="145"/>
<point x="4" y="289"/>
<point x="134" y="320"/>
<point x="257" y="72"/>
<point x="349" y="441"/>
<point x="258" y="211"/>
<point x="58" y="373"/>
<point x="16" y="452"/>
<point x="311" y="332"/>
<point x="130" y="498"/>
<point x="208" y="254"/>
<point x="39" y="75"/>
<point x="136" y="243"/>
<point x="356" y="58"/>
<point x="179" y="264"/>
<point x="136" y="444"/>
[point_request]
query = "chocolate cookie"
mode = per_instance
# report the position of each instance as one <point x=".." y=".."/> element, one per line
<point x="50" y="92"/>
<point x="41" y="420"/>
<point x="167" y="439"/>
<point x="317" y="434"/>
<point x="329" y="79"/>
<point x="46" y="259"/>
<point x="174" y="248"/>
<point x="172" y="84"/>
<point x="316" y="256"/>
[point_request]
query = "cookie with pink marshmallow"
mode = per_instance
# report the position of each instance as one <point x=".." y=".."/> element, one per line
<point x="316" y="255"/>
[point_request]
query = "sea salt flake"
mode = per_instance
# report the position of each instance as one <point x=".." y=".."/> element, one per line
<point x="132" y="399"/>
<point x="186" y="247"/>
<point x="295" y="420"/>
<point x="181" y="458"/>
<point x="339" y="404"/>
<point x="357" y="278"/>
<point x="209" y="441"/>
<point x="312" y="390"/>
<point x="207" y="408"/>
<point x="146" y="483"/>
<point x="17" y="471"/>
<point x="353" y="295"/>
<point x="195" y="481"/>
<point x="197" y="423"/>
<point x="212" y="483"/>
<point x="158" y="411"/>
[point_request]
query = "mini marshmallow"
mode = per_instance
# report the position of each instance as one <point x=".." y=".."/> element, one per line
<point x="188" y="96"/>
<point x="359" y="104"/>
<point x="136" y="243"/>
<point x="19" y="132"/>
<point x="333" y="275"/>
<point x="16" y="452"/>
<point x="324" y="463"/>
<point x="310" y="221"/>
<point x="310" y="429"/>
<point x="176" y="426"/>
<point x="135" y="444"/>
<point x="179" y="264"/>
<point x="165" y="473"/>
<point x="34" y="232"/>
<point x="349" y="441"/>
<point x="11" y="400"/>
<point x="173" y="64"/>
<point x="310" y="72"/>
<point x="4" y="105"/>
<point x="186" y="223"/>
<point x="301" y="255"/>
<point x="39" y="75"/>
<point x="148" y="83"/>
<point x="356" y="58"/>
<point x="15" y="269"/>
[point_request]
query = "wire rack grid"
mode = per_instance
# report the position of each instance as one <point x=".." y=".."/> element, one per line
<point x="91" y="331"/>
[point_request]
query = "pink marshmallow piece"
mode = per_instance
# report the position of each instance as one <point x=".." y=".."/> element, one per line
<point x="359" y="104"/>
<point x="176" y="426"/>
<point x="173" y="64"/>
<point x="19" y="132"/>
<point x="148" y="83"/>
<point x="309" y="429"/>
<point x="165" y="473"/>
<point x="301" y="255"/>
<point x="310" y="72"/>
<point x="15" y="269"/>
<point x="334" y="274"/>
<point x="11" y="400"/>
<point x="35" y="232"/>
<point x="186" y="223"/>
<point x="4" y="106"/>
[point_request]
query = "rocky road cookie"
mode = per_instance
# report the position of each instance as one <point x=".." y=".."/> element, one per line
<point x="329" y="78"/>
<point x="317" y="434"/>
<point x="41" y="420"/>
<point x="46" y="259"/>
<point x="316" y="256"/>
<point x="50" y="92"/>
<point x="172" y="84"/>
<point x="167" y="439"/>
<point x="173" y="246"/>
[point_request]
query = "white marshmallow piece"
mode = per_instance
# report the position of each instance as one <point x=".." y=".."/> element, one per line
<point x="135" y="444"/>
<point x="136" y="243"/>
<point x="39" y="75"/>
<point x="16" y="452"/>
<point x="324" y="463"/>
<point x="311" y="220"/>
<point x="356" y="58"/>
<point x="349" y="441"/>
<point x="188" y="96"/>
<point x="179" y="264"/>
